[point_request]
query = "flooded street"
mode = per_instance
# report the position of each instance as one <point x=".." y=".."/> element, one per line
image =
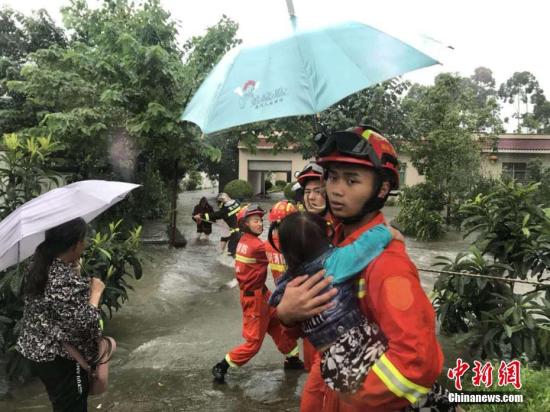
<point x="181" y="320"/>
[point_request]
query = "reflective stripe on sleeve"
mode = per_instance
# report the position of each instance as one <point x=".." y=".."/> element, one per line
<point x="278" y="267"/>
<point x="396" y="382"/>
<point x="234" y="211"/>
<point x="244" y="259"/>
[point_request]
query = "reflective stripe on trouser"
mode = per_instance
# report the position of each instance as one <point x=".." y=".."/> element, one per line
<point x="396" y="382"/>
<point x="258" y="319"/>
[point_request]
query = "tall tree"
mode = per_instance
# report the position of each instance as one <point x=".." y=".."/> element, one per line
<point x="115" y="94"/>
<point x="379" y="105"/>
<point x="19" y="36"/>
<point x="520" y="90"/>
<point x="539" y="120"/>
<point x="448" y="121"/>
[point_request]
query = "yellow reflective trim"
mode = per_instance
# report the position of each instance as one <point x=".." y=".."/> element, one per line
<point x="390" y="384"/>
<point x="396" y="382"/>
<point x="234" y="211"/>
<point x="244" y="259"/>
<point x="231" y="363"/>
<point x="361" y="288"/>
<point x="277" y="266"/>
<point x="366" y="134"/>
<point x="234" y="230"/>
<point x="293" y="352"/>
<point x="206" y="217"/>
<point x="423" y="390"/>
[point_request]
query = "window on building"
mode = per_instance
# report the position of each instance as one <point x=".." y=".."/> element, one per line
<point x="402" y="174"/>
<point x="516" y="171"/>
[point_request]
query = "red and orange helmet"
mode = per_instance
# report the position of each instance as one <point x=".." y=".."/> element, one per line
<point x="280" y="210"/>
<point x="249" y="210"/>
<point x="362" y="145"/>
<point x="310" y="171"/>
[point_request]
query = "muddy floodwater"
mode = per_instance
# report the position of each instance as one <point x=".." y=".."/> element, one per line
<point x="182" y="318"/>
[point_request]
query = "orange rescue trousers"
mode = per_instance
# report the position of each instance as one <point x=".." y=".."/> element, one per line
<point x="258" y="319"/>
<point x="313" y="394"/>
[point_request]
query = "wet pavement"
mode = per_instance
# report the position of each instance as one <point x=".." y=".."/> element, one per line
<point x="182" y="319"/>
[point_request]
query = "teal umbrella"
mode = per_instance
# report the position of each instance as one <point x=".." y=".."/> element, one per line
<point x="302" y="74"/>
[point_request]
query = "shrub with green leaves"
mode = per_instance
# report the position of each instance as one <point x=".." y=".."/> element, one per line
<point x="114" y="257"/>
<point x="535" y="390"/>
<point x="496" y="316"/>
<point x="432" y="197"/>
<point x="193" y="181"/>
<point x="238" y="189"/>
<point x="25" y="169"/>
<point x="418" y="221"/>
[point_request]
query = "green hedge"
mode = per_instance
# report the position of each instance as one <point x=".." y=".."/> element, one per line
<point x="238" y="189"/>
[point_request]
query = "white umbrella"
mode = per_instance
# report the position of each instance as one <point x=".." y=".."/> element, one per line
<point x="24" y="229"/>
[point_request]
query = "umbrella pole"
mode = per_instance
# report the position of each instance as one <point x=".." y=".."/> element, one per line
<point x="291" y="13"/>
<point x="290" y="7"/>
<point x="316" y="124"/>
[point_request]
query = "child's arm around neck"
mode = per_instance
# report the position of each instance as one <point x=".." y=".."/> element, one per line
<point x="345" y="262"/>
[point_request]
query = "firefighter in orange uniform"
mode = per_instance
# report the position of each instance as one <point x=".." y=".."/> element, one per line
<point x="362" y="169"/>
<point x="258" y="317"/>
<point x="277" y="263"/>
<point x="311" y="180"/>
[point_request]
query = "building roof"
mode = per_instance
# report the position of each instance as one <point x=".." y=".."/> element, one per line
<point x="521" y="143"/>
<point x="507" y="143"/>
<point x="263" y="144"/>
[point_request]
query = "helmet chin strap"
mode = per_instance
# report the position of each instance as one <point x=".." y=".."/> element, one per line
<point x="373" y="204"/>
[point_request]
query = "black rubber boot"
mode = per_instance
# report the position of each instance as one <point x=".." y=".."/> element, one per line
<point x="219" y="370"/>
<point x="293" y="363"/>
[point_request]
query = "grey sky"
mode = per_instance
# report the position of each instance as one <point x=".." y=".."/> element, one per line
<point x="505" y="36"/>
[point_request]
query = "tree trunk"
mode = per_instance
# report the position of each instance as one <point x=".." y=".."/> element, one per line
<point x="174" y="206"/>
<point x="449" y="203"/>
<point x="231" y="171"/>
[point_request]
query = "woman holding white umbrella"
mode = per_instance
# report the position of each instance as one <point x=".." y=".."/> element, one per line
<point x="61" y="307"/>
<point x="60" y="331"/>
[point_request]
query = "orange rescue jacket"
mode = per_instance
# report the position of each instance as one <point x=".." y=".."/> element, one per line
<point x="251" y="262"/>
<point x="390" y="294"/>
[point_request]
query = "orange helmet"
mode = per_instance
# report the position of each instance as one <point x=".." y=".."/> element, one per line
<point x="310" y="171"/>
<point x="249" y="210"/>
<point x="280" y="210"/>
<point x="361" y="145"/>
